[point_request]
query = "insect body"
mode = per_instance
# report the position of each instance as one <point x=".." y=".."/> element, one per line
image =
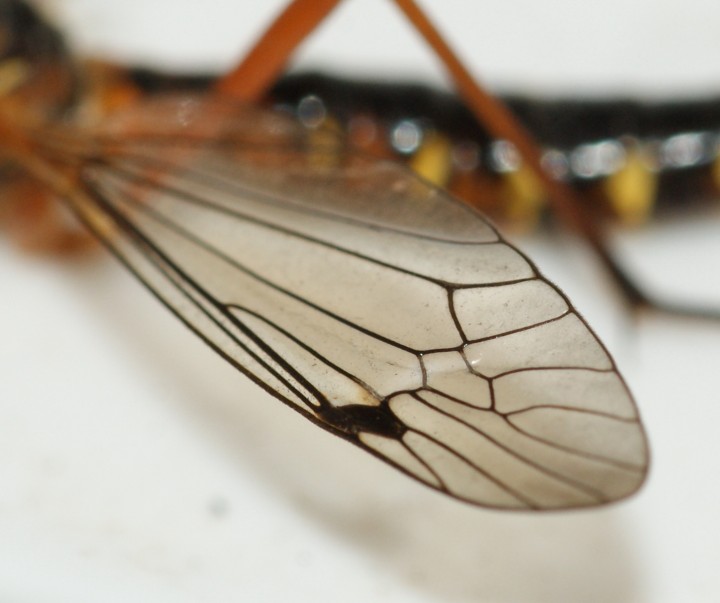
<point x="633" y="160"/>
<point x="372" y="303"/>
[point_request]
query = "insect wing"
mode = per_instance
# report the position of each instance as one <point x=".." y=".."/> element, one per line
<point x="372" y="303"/>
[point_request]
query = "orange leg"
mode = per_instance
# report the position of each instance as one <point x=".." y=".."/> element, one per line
<point x="253" y="77"/>
<point x="33" y="219"/>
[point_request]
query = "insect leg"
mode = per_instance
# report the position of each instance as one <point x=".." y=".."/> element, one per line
<point x="36" y="223"/>
<point x="262" y="66"/>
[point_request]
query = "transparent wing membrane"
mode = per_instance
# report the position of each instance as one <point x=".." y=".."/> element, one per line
<point x="372" y="303"/>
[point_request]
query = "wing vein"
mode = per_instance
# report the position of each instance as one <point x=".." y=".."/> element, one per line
<point x="535" y="465"/>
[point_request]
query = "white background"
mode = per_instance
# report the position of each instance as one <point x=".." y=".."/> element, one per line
<point x="136" y="466"/>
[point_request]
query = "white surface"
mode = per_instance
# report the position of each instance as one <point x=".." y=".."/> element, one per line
<point x="558" y="45"/>
<point x="135" y="466"/>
